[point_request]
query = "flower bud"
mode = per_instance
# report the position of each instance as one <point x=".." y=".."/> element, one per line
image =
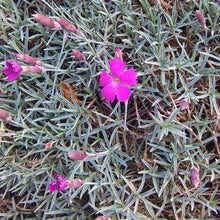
<point x="33" y="69"/>
<point x="78" y="55"/>
<point x="118" y="54"/>
<point x="78" y="155"/>
<point x="4" y="115"/>
<point x="200" y="17"/>
<point x="29" y="59"/>
<point x="218" y="1"/>
<point x="103" y="218"/>
<point x="194" y="176"/>
<point x="66" y="25"/>
<point x="48" y="145"/>
<point x="44" y="20"/>
<point x="184" y="104"/>
<point x="75" y="183"/>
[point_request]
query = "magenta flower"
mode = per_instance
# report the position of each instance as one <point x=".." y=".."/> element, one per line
<point x="13" y="70"/>
<point x="116" y="83"/>
<point x="60" y="185"/>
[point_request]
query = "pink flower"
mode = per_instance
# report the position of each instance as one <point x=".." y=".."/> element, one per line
<point x="200" y="17"/>
<point x="116" y="83"/>
<point x="14" y="70"/>
<point x="60" y="185"/>
<point x="194" y="176"/>
<point x="4" y="115"/>
<point x="118" y="54"/>
<point x="78" y="55"/>
<point x="44" y="20"/>
<point x="66" y="25"/>
<point x="78" y="155"/>
<point x="29" y="59"/>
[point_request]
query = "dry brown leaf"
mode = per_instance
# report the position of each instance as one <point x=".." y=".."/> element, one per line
<point x="68" y="90"/>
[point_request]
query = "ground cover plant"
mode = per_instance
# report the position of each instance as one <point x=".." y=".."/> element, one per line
<point x="109" y="109"/>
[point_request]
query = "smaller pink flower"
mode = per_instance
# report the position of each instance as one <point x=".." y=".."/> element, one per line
<point x="29" y="59"/>
<point x="200" y="17"/>
<point x="118" y="54"/>
<point x="78" y="155"/>
<point x="61" y="184"/>
<point x="116" y="83"/>
<point x="79" y="55"/>
<point x="13" y="70"/>
<point x="4" y="115"/>
<point x="194" y="176"/>
<point x="44" y="20"/>
<point x="67" y="25"/>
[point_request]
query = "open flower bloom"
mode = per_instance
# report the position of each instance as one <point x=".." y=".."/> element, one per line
<point x="44" y="20"/>
<point x="61" y="184"/>
<point x="116" y="83"/>
<point x="66" y="25"/>
<point x="29" y="59"/>
<point x="14" y="70"/>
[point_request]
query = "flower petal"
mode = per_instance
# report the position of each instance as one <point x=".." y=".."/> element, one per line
<point x="129" y="77"/>
<point x="53" y="186"/>
<point x="105" y="79"/>
<point x="123" y="92"/>
<point x="116" y="67"/>
<point x="59" y="177"/>
<point x="13" y="70"/>
<point x="109" y="92"/>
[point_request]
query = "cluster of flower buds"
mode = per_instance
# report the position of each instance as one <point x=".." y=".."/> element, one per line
<point x="59" y="24"/>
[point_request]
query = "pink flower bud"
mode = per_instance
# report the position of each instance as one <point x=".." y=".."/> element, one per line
<point x="184" y="104"/>
<point x="4" y="115"/>
<point x="103" y="218"/>
<point x="194" y="176"/>
<point x="78" y="155"/>
<point x="48" y="145"/>
<point x="200" y="17"/>
<point x="75" y="183"/>
<point x="218" y="1"/>
<point x="29" y="59"/>
<point x="33" y="69"/>
<point x="118" y="54"/>
<point x="44" y="20"/>
<point x="66" y="25"/>
<point x="78" y="55"/>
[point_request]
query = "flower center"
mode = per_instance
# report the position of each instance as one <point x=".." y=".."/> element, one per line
<point x="117" y="80"/>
